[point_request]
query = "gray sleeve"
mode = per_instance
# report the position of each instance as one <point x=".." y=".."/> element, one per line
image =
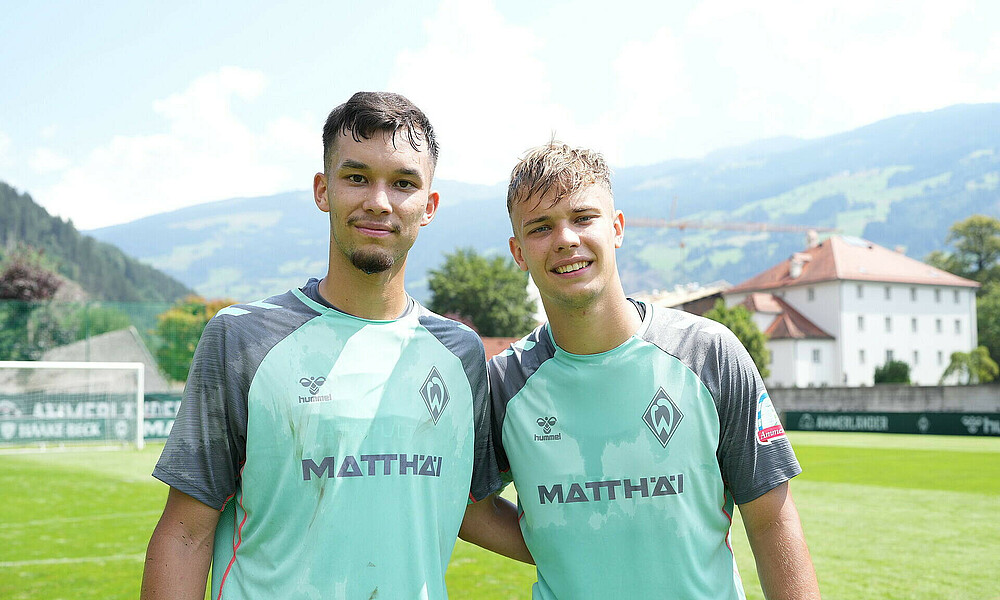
<point x="509" y="372"/>
<point x="206" y="449"/>
<point x="466" y="345"/>
<point x="751" y="466"/>
<point x="207" y="444"/>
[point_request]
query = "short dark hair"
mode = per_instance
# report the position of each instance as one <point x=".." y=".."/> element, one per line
<point x="368" y="112"/>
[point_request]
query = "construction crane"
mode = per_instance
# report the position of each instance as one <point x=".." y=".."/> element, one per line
<point x="683" y="224"/>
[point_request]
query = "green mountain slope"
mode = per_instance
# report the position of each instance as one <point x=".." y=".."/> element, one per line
<point x="102" y="270"/>
<point x="899" y="182"/>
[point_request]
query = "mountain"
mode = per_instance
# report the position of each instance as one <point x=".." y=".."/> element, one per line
<point x="103" y="271"/>
<point x="898" y="182"/>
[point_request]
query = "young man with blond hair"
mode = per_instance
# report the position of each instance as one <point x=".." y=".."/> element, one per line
<point x="631" y="431"/>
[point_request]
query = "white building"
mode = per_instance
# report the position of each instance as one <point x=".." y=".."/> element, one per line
<point x="841" y="308"/>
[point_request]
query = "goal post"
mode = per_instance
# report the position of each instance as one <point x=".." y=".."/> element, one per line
<point x="45" y="403"/>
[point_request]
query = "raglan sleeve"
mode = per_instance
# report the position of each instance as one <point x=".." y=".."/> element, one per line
<point x="754" y="453"/>
<point x="207" y="443"/>
<point x="485" y="471"/>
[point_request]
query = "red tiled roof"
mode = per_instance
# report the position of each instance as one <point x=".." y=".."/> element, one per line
<point x="847" y="258"/>
<point x="496" y="345"/>
<point x="791" y="324"/>
<point x="762" y="303"/>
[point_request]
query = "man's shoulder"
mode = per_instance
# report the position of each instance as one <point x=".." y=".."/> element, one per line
<point x="284" y="311"/>
<point x="672" y="330"/>
<point x="456" y="336"/>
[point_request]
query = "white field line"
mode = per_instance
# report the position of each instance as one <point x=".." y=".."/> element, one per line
<point x="56" y="520"/>
<point x="67" y="561"/>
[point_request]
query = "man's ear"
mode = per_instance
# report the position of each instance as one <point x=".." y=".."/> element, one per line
<point x="431" y="208"/>
<point x="619" y="225"/>
<point x="319" y="192"/>
<point x="515" y="251"/>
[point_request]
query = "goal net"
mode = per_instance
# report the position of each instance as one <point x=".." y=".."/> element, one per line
<point x="45" y="404"/>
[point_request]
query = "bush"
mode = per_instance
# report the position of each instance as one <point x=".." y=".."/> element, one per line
<point x="894" y="371"/>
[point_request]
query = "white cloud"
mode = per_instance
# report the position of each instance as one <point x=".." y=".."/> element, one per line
<point x="205" y="153"/>
<point x="484" y="87"/>
<point x="46" y="160"/>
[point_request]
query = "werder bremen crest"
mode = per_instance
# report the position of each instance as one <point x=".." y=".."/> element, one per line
<point x="435" y="394"/>
<point x="662" y="417"/>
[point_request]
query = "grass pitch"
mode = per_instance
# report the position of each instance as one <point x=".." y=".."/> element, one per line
<point x="886" y="517"/>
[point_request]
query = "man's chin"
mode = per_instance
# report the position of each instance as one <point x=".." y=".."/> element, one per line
<point x="370" y="262"/>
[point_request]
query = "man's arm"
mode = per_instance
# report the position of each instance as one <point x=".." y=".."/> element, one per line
<point x="180" y="550"/>
<point x="492" y="524"/>
<point x="779" y="546"/>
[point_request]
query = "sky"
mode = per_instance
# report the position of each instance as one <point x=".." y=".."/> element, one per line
<point x="112" y="110"/>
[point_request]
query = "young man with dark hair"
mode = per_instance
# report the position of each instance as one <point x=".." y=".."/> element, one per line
<point x="331" y="437"/>
<point x="631" y="430"/>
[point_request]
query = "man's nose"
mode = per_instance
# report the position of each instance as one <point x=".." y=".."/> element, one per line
<point x="377" y="201"/>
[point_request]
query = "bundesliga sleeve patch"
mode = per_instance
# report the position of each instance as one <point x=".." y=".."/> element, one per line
<point x="768" y="425"/>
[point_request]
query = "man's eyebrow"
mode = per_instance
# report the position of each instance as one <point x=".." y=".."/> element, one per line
<point x="580" y="209"/>
<point x="533" y="221"/>
<point x="353" y="164"/>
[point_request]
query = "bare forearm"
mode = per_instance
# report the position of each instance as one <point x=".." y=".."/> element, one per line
<point x="176" y="566"/>
<point x="783" y="563"/>
<point x="180" y="550"/>
<point x="779" y="547"/>
<point x="492" y="524"/>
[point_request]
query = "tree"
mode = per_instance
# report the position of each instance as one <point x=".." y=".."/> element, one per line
<point x="971" y="367"/>
<point x="977" y="256"/>
<point x="893" y="371"/>
<point x="27" y="325"/>
<point x="977" y="249"/>
<point x="739" y="321"/>
<point x="180" y="328"/>
<point x="491" y="293"/>
<point x="988" y="318"/>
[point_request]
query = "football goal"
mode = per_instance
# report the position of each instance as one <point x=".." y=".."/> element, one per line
<point x="53" y="404"/>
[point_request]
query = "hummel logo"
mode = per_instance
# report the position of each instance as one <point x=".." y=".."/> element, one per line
<point x="435" y="394"/>
<point x="546" y="423"/>
<point x="313" y="383"/>
<point x="662" y="417"/>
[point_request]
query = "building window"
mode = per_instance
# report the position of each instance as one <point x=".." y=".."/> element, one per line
<point x="937" y="325"/>
<point x="940" y="357"/>
<point x="916" y="357"/>
<point x="861" y="291"/>
<point x="913" y="324"/>
<point x="937" y="295"/>
<point x="888" y="356"/>
<point x="861" y="323"/>
<point x="958" y="326"/>
<point x="811" y="294"/>
<point x="888" y="293"/>
<point x="913" y="294"/>
<point x="955" y="294"/>
<point x="861" y="356"/>
<point x="816" y="356"/>
<point x="888" y="324"/>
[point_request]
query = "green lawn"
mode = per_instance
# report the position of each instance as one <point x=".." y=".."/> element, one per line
<point x="886" y="517"/>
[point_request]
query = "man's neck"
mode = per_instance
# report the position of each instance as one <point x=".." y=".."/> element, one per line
<point x="600" y="326"/>
<point x="379" y="296"/>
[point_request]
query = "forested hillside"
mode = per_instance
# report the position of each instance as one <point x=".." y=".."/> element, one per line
<point x="102" y="270"/>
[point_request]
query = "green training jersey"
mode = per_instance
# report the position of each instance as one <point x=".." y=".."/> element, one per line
<point x="341" y="451"/>
<point x="628" y="463"/>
